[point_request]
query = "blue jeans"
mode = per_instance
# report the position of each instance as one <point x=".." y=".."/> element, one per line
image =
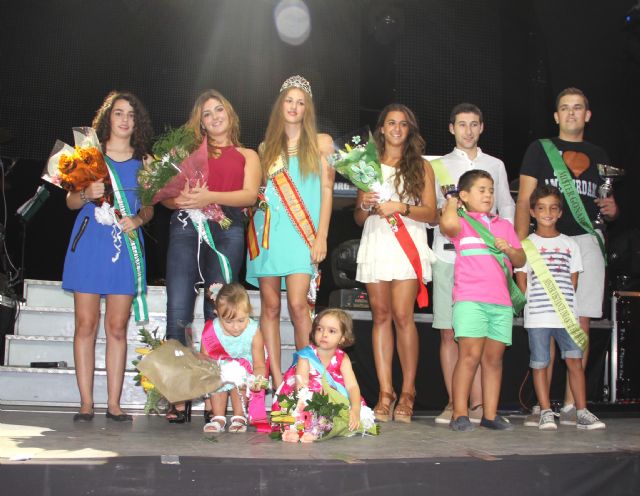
<point x="540" y="344"/>
<point x="183" y="274"/>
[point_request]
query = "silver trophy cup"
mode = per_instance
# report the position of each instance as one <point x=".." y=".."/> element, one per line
<point x="608" y="173"/>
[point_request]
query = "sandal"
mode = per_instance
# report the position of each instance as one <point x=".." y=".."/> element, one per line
<point x="383" y="408"/>
<point x="216" y="425"/>
<point x="175" y="416"/>
<point x="238" y="424"/>
<point x="404" y="409"/>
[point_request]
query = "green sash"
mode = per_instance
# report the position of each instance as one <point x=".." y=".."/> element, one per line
<point x="551" y="288"/>
<point x="570" y="192"/>
<point x="201" y="225"/>
<point x="441" y="172"/>
<point x="134" y="248"/>
<point x="517" y="298"/>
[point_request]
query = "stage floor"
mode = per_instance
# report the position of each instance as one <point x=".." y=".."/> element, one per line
<point x="43" y="452"/>
<point x="33" y="434"/>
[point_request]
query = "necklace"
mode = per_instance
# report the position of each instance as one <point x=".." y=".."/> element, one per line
<point x="292" y="150"/>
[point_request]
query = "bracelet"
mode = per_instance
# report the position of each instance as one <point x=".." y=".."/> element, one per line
<point x="365" y="209"/>
<point x="407" y="210"/>
<point x="83" y="197"/>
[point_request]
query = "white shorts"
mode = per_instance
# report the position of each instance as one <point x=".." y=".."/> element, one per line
<point x="442" y="295"/>
<point x="590" y="291"/>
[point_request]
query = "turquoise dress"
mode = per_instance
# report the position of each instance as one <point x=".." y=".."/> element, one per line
<point x="287" y="253"/>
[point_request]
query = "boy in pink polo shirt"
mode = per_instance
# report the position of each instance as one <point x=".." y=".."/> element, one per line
<point x="482" y="309"/>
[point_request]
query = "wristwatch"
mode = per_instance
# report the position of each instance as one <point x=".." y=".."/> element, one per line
<point x="407" y="210"/>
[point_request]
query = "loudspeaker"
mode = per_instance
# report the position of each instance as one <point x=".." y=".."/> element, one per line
<point x="625" y="347"/>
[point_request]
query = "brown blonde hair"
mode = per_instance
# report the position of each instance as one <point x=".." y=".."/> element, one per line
<point x="411" y="165"/>
<point x="275" y="139"/>
<point x="230" y="299"/>
<point x="346" y="326"/>
<point x="195" y="120"/>
<point x="142" y="130"/>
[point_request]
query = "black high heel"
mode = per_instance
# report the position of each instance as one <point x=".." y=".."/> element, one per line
<point x="181" y="416"/>
<point x="208" y="415"/>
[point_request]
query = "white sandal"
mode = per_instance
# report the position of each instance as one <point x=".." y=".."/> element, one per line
<point x="216" y="425"/>
<point x="238" y="424"/>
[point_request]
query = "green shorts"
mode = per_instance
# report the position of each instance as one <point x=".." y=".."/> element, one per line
<point x="472" y="319"/>
<point x="442" y="294"/>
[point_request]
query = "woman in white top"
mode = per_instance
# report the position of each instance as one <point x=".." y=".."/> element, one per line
<point x="383" y="265"/>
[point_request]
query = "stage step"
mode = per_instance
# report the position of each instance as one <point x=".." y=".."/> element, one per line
<point x="44" y="333"/>
<point x="58" y="387"/>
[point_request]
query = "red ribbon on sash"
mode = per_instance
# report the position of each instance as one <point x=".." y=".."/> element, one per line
<point x="409" y="247"/>
<point x="252" y="236"/>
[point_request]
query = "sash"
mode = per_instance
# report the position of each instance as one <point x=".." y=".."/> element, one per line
<point x="517" y="298"/>
<point x="201" y="225"/>
<point x="401" y="233"/>
<point x="252" y="237"/>
<point x="441" y="172"/>
<point x="134" y="248"/>
<point x="307" y="352"/>
<point x="559" y="302"/>
<point x="292" y="201"/>
<point x="570" y="192"/>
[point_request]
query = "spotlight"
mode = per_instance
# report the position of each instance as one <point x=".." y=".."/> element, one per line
<point x="292" y="21"/>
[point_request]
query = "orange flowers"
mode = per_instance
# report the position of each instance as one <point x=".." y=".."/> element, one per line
<point x="84" y="166"/>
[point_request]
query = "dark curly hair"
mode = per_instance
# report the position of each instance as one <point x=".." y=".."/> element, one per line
<point x="411" y="165"/>
<point x="142" y="130"/>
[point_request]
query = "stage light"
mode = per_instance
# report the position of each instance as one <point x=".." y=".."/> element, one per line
<point x="293" y="21"/>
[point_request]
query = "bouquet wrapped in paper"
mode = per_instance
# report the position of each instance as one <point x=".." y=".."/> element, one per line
<point x="177" y="373"/>
<point x="306" y="417"/>
<point x="73" y="168"/>
<point x="155" y="401"/>
<point x="177" y="160"/>
<point x="356" y="159"/>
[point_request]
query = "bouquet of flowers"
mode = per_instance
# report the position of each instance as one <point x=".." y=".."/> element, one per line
<point x="177" y="160"/>
<point x="356" y="158"/>
<point x="155" y="401"/>
<point x="73" y="168"/>
<point x="306" y="417"/>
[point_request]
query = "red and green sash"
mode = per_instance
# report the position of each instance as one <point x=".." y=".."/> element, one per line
<point x="134" y="247"/>
<point x="401" y="233"/>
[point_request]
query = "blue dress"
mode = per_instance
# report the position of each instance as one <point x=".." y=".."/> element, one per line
<point x="88" y="265"/>
<point x="288" y="253"/>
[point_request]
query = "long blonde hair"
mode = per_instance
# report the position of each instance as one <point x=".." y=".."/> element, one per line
<point x="195" y="120"/>
<point x="275" y="139"/>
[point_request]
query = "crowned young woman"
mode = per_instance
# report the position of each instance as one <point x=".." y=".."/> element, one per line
<point x="288" y="234"/>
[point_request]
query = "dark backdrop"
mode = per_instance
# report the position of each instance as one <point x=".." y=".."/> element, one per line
<point x="59" y="58"/>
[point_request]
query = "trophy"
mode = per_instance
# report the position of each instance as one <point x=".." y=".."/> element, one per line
<point x="449" y="190"/>
<point x="605" y="190"/>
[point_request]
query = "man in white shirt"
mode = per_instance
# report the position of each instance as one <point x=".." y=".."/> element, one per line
<point x="466" y="125"/>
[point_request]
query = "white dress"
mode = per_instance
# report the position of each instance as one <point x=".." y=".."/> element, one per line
<point x="380" y="256"/>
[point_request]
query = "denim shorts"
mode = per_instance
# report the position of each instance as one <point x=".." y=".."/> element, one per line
<point x="540" y="343"/>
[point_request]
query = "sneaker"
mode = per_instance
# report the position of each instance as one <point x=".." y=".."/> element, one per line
<point x="445" y="416"/>
<point x="533" y="419"/>
<point x="476" y="414"/>
<point x="588" y="421"/>
<point x="497" y="424"/>
<point x="568" y="415"/>
<point x="461" y="424"/>
<point x="547" y="421"/>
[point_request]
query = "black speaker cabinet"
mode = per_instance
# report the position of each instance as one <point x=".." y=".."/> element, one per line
<point x="625" y="347"/>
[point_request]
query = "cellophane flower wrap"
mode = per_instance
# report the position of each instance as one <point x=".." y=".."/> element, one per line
<point x="73" y="168"/>
<point x="307" y="416"/>
<point x="356" y="159"/>
<point x="177" y="160"/>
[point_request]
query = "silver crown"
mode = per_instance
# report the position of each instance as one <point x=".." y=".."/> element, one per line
<point x="297" y="82"/>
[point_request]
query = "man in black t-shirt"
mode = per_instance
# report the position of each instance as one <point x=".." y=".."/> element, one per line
<point x="581" y="158"/>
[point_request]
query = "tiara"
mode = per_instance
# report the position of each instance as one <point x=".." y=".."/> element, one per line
<point x="297" y="82"/>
